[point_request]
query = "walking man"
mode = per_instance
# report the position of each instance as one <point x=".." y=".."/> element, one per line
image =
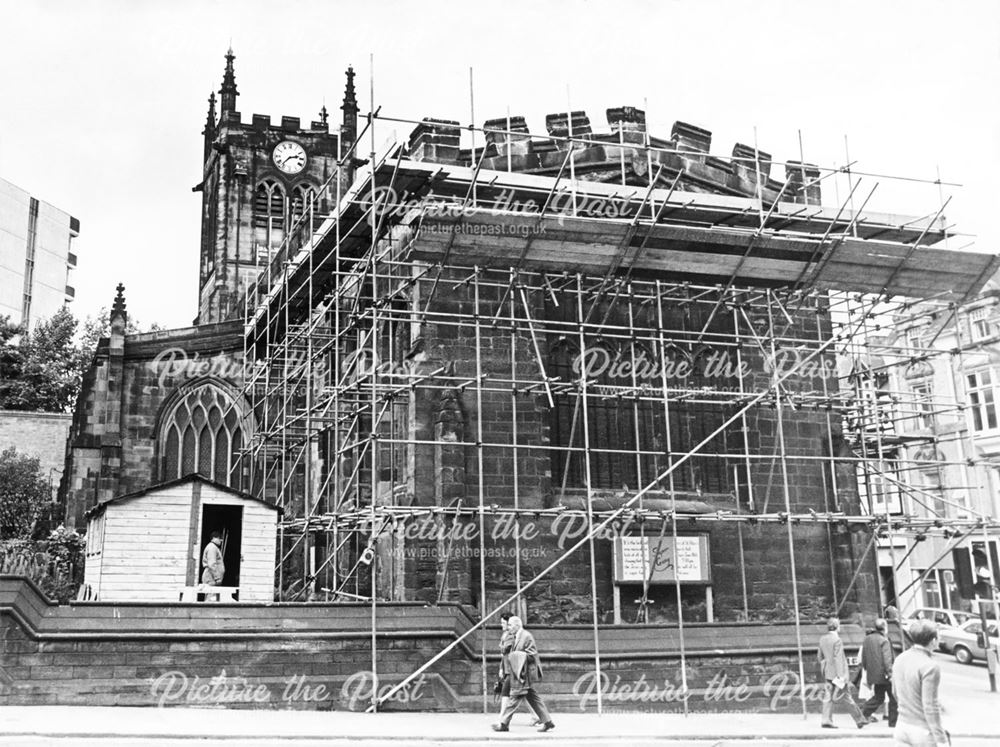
<point x="915" y="680"/>
<point x="876" y="661"/>
<point x="524" y="669"/>
<point x="833" y="667"/>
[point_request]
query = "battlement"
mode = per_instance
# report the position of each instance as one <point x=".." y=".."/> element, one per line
<point x="262" y="122"/>
<point x="626" y="153"/>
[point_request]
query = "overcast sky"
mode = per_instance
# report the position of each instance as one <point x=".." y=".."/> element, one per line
<point x="102" y="103"/>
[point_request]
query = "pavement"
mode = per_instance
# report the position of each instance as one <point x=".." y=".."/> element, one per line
<point x="971" y="714"/>
<point x="31" y="725"/>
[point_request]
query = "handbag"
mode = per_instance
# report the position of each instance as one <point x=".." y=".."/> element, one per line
<point x="498" y="689"/>
<point x="864" y="689"/>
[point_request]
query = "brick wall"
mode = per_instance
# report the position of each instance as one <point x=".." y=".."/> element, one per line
<point x="788" y="468"/>
<point x="276" y="656"/>
<point x="37" y="434"/>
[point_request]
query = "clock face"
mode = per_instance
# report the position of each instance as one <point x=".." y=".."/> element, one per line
<point x="289" y="157"/>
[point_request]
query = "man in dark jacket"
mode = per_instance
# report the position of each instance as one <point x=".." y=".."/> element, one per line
<point x="524" y="669"/>
<point x="876" y="660"/>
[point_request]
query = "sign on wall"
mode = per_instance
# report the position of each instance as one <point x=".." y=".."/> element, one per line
<point x="640" y="558"/>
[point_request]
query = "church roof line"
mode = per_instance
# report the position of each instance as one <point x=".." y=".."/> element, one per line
<point x="626" y="150"/>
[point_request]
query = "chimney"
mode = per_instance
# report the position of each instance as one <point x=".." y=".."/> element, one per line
<point x="691" y="139"/>
<point x="748" y="161"/>
<point x="560" y="125"/>
<point x="628" y="122"/>
<point x="803" y="184"/>
<point x="507" y="133"/>
<point x="435" y="140"/>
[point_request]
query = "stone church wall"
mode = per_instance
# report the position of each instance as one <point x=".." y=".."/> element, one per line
<point x="751" y="562"/>
<point x="113" y="448"/>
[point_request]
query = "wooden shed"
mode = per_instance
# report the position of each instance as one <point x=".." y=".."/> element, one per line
<point x="147" y="546"/>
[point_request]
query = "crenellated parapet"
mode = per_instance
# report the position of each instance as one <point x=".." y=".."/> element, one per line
<point x="625" y="153"/>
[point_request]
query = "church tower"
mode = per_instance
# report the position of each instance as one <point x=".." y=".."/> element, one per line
<point x="258" y="180"/>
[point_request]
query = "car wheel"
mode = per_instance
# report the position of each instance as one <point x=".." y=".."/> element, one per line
<point x="963" y="655"/>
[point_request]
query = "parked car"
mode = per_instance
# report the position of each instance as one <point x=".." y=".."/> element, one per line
<point x="964" y="641"/>
<point x="943" y="617"/>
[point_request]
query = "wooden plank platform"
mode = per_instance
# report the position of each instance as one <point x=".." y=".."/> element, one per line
<point x="701" y="238"/>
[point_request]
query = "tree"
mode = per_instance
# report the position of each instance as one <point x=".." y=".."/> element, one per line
<point x="42" y="369"/>
<point x="48" y="367"/>
<point x="10" y="358"/>
<point x="24" y="494"/>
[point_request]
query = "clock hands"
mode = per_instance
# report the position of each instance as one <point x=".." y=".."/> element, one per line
<point x="295" y="158"/>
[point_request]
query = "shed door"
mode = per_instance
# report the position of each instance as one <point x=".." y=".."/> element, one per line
<point x="229" y="521"/>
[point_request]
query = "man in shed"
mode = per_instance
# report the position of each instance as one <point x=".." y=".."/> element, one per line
<point x="213" y="568"/>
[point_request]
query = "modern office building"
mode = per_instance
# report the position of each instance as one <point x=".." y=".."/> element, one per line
<point x="36" y="255"/>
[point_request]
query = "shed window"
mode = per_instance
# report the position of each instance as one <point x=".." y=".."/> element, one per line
<point x="202" y="434"/>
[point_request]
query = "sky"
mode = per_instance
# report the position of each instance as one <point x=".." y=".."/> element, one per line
<point x="102" y="103"/>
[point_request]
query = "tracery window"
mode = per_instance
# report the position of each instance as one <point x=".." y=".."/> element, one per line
<point x="202" y="432"/>
<point x="302" y="196"/>
<point x="269" y="205"/>
<point x="268" y="217"/>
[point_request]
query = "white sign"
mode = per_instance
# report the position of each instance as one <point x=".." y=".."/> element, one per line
<point x="641" y="558"/>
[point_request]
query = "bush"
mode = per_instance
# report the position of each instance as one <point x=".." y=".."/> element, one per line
<point x="54" y="564"/>
<point x="24" y="495"/>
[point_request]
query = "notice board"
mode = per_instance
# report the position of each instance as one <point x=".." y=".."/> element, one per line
<point x="639" y="558"/>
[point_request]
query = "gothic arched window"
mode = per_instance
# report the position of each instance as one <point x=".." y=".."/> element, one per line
<point x="268" y="218"/>
<point x="202" y="432"/>
<point x="269" y="205"/>
<point x="302" y="196"/>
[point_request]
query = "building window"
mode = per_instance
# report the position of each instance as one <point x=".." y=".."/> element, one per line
<point x="923" y="410"/>
<point x="878" y="486"/>
<point x="982" y="400"/>
<point x="877" y="407"/>
<point x="980" y="326"/>
<point x="268" y="218"/>
<point x="202" y="433"/>
<point x="930" y="493"/>
<point x="302" y="197"/>
<point x="939" y="590"/>
<point x="914" y="340"/>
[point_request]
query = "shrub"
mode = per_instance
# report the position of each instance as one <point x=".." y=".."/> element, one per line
<point x="54" y="564"/>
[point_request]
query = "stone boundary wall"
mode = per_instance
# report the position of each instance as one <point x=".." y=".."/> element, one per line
<point x="38" y="434"/>
<point x="318" y="656"/>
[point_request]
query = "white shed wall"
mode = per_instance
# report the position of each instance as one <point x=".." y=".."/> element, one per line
<point x="145" y="548"/>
